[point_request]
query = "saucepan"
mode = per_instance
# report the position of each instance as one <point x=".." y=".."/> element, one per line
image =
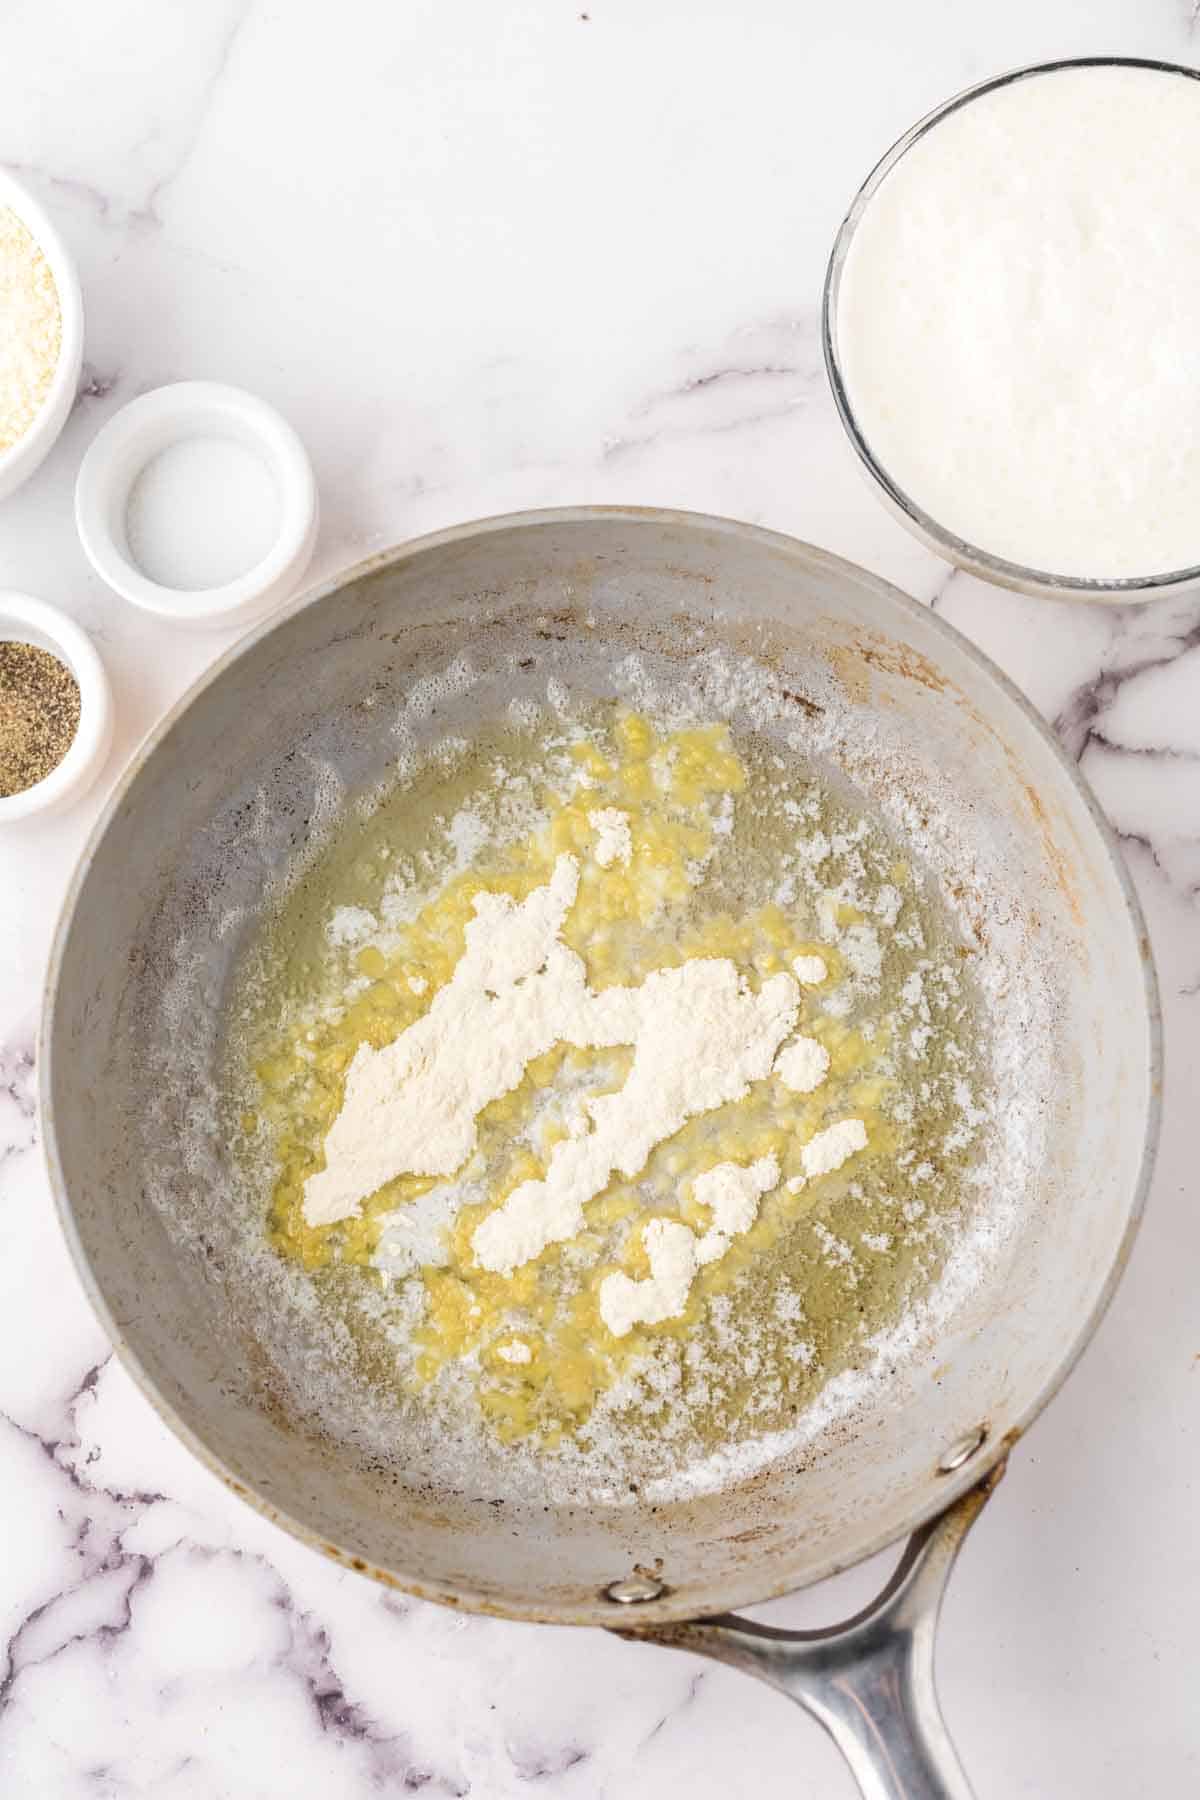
<point x="295" y="726"/>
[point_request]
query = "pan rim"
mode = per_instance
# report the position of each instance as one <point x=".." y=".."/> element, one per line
<point x="671" y="1607"/>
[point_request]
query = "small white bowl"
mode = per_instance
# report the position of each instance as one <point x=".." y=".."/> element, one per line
<point x="28" y="621"/>
<point x="158" y="421"/>
<point x="18" y="462"/>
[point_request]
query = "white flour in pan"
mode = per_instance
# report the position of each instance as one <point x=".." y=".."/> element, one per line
<point x="700" y="1038"/>
<point x="323" y="1378"/>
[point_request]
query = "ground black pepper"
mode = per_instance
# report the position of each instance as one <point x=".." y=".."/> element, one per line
<point x="39" y="715"/>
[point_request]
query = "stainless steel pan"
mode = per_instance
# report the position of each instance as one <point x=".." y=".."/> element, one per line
<point x="217" y="809"/>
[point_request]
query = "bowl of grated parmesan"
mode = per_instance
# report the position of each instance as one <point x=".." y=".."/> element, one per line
<point x="41" y="334"/>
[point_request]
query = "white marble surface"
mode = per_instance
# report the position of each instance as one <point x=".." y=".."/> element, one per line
<point x="490" y="256"/>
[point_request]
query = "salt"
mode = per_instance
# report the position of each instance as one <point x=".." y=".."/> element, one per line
<point x="201" y="513"/>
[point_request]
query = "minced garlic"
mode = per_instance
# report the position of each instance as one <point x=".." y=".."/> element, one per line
<point x="30" y="328"/>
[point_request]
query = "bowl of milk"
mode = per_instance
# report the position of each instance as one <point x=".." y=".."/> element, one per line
<point x="1012" y="329"/>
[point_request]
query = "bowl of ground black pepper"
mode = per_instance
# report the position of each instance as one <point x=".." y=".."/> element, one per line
<point x="55" y="709"/>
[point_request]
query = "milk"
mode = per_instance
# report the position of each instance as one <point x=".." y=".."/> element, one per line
<point x="1018" y="322"/>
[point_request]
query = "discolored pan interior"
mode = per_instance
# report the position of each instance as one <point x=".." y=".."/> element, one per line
<point x="240" y="785"/>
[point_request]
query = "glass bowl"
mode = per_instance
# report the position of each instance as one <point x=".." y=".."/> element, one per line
<point x="996" y="569"/>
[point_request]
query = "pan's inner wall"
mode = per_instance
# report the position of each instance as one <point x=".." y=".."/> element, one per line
<point x="241" y="787"/>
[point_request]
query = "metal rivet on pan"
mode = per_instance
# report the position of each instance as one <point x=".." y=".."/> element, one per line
<point x="962" y="1449"/>
<point x="632" y="1589"/>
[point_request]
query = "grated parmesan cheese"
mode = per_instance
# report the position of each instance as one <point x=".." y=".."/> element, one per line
<point x="30" y="328"/>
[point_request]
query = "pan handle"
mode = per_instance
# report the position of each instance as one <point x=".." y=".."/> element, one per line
<point x="869" y="1681"/>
